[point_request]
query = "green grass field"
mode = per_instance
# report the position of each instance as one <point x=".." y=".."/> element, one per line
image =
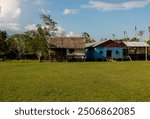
<point x="30" y="81"/>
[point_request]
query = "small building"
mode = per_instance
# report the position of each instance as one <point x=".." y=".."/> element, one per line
<point x="136" y="50"/>
<point x="66" y="48"/>
<point x="105" y="50"/>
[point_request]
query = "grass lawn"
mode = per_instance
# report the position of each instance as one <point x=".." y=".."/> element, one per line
<point x="30" y="81"/>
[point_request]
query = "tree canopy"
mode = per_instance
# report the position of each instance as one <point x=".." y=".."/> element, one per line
<point x="49" y="25"/>
<point x="3" y="45"/>
<point x="87" y="37"/>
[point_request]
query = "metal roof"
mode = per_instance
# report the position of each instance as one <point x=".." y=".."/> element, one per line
<point x="136" y="44"/>
<point x="94" y="44"/>
<point x="90" y="44"/>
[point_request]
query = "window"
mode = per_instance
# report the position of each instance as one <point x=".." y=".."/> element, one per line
<point x="101" y="52"/>
<point x="117" y="52"/>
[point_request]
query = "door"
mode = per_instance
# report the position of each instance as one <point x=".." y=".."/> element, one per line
<point x="109" y="53"/>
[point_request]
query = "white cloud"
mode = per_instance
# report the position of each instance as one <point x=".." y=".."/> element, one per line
<point x="70" y="11"/>
<point x="60" y="30"/>
<point x="10" y="26"/>
<point x="45" y="11"/>
<point x="72" y="34"/>
<point x="106" y="6"/>
<point x="9" y="14"/>
<point x="30" y="27"/>
<point x="38" y="2"/>
<point x="10" y="9"/>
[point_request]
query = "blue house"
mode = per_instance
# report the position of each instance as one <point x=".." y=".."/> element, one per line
<point x="104" y="50"/>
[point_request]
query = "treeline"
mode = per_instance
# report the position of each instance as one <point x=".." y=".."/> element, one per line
<point x="30" y="44"/>
<point x="34" y="44"/>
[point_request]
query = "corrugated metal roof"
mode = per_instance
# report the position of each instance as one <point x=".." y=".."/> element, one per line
<point x="90" y="44"/>
<point x="94" y="44"/>
<point x="136" y="44"/>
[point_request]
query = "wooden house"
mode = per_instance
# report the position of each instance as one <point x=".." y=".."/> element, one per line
<point x="104" y="50"/>
<point x="135" y="50"/>
<point x="66" y="48"/>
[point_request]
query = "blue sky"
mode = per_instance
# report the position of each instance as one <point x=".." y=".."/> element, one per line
<point x="100" y="18"/>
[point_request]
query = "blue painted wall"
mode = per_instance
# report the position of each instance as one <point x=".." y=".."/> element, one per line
<point x="101" y="52"/>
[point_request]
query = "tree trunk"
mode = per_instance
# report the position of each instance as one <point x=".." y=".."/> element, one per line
<point x="3" y="58"/>
<point x="39" y="55"/>
<point x="39" y="58"/>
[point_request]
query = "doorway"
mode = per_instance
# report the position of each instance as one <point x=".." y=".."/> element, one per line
<point x="109" y="53"/>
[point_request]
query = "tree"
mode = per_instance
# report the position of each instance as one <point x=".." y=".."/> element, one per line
<point x="87" y="38"/>
<point x="114" y="36"/>
<point x="148" y="42"/>
<point x="125" y="39"/>
<point x="36" y="43"/>
<point x="125" y="36"/>
<point x="17" y="45"/>
<point x="141" y="33"/>
<point x="41" y="43"/>
<point x="3" y="45"/>
<point x="134" y="39"/>
<point x="49" y="25"/>
<point x="30" y="43"/>
<point x="103" y="39"/>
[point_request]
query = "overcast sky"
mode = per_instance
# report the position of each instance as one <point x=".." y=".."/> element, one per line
<point x="100" y="18"/>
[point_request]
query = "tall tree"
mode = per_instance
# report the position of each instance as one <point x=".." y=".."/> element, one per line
<point x="49" y="25"/>
<point x="114" y="36"/>
<point x="17" y="45"/>
<point x="125" y="36"/>
<point x="37" y="43"/>
<point x="87" y="37"/>
<point x="141" y="33"/>
<point x="42" y="46"/>
<point x="3" y="45"/>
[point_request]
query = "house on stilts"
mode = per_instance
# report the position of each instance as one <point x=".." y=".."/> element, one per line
<point x="136" y="50"/>
<point x="66" y="48"/>
<point x="105" y="50"/>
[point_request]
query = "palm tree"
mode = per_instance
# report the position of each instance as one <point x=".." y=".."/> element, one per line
<point x="141" y="33"/>
<point x="86" y="37"/>
<point x="125" y="35"/>
<point x="114" y="36"/>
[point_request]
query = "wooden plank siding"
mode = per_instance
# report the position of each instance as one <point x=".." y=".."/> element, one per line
<point x="66" y="48"/>
<point x="104" y="50"/>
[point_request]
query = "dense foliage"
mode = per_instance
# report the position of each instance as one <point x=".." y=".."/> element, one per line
<point x="30" y="44"/>
<point x="34" y="44"/>
<point x="3" y="45"/>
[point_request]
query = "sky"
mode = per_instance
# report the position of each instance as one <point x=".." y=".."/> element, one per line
<point x="99" y="18"/>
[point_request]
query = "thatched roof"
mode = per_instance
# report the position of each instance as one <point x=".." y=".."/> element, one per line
<point x="67" y="42"/>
